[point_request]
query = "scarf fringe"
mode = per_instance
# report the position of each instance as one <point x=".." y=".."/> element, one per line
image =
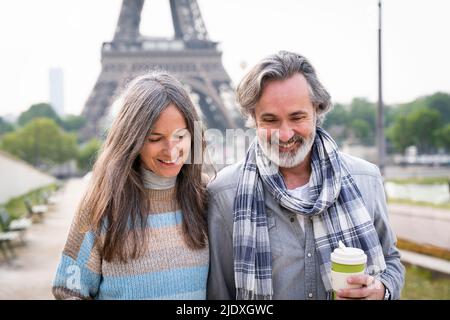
<point x="243" y="294"/>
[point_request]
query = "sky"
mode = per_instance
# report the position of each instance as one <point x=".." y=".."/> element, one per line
<point x="339" y="37"/>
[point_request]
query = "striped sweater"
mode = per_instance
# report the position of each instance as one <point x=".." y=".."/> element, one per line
<point x="167" y="270"/>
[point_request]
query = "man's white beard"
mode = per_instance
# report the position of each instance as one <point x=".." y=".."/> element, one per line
<point x="288" y="159"/>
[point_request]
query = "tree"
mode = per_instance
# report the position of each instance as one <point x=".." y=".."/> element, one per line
<point x="361" y="108"/>
<point x="362" y="131"/>
<point x="40" y="110"/>
<point x="336" y="122"/>
<point x="390" y="115"/>
<point x="441" y="103"/>
<point x="443" y="137"/>
<point x="338" y="116"/>
<point x="73" y="123"/>
<point x="5" y="126"/>
<point x="425" y="123"/>
<point x="418" y="128"/>
<point x="87" y="154"/>
<point x="438" y="101"/>
<point x="41" y="142"/>
<point x="399" y="134"/>
<point x="365" y="112"/>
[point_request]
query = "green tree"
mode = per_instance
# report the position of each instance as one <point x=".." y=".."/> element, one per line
<point x="425" y="123"/>
<point x="441" y="103"/>
<point x="443" y="137"/>
<point x="361" y="108"/>
<point x="87" y="154"/>
<point x="390" y="116"/>
<point x="418" y="128"/>
<point x="362" y="131"/>
<point x="41" y="142"/>
<point x="5" y="126"/>
<point x="438" y="101"/>
<point x="338" y="116"/>
<point x="418" y="122"/>
<point x="336" y="122"/>
<point x="73" y="123"/>
<point x="365" y="111"/>
<point x="399" y="134"/>
<point x="40" y="110"/>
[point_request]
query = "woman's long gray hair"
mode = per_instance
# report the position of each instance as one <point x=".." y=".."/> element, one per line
<point x="116" y="194"/>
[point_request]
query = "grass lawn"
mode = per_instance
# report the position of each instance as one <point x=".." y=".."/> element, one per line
<point x="419" y="203"/>
<point x="16" y="206"/>
<point x="427" y="180"/>
<point x="421" y="284"/>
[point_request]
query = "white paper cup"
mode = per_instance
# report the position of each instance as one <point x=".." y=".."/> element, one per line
<point x="346" y="262"/>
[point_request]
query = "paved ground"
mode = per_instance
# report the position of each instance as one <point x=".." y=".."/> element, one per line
<point x="30" y="274"/>
<point x="421" y="224"/>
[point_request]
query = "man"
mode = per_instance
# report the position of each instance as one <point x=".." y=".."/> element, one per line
<point x="275" y="217"/>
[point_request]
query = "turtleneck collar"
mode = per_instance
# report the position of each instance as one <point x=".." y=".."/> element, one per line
<point x="155" y="182"/>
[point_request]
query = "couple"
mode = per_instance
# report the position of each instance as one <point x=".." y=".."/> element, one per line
<point x="151" y="227"/>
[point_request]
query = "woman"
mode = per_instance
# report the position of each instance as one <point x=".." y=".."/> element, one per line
<point x="140" y="230"/>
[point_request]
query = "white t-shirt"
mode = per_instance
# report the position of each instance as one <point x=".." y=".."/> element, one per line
<point x="301" y="193"/>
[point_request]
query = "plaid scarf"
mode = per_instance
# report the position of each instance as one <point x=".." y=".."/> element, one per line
<point x="336" y="206"/>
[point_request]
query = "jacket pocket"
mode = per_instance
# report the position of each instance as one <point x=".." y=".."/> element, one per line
<point x="276" y="246"/>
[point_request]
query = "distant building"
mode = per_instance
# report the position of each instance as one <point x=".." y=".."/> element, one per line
<point x="56" y="85"/>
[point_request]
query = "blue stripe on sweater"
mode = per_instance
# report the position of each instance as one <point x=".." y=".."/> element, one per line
<point x="86" y="248"/>
<point x="187" y="282"/>
<point x="76" y="277"/>
<point x="161" y="220"/>
<point x="156" y="220"/>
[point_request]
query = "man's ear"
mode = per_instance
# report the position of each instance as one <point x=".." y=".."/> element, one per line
<point x="316" y="119"/>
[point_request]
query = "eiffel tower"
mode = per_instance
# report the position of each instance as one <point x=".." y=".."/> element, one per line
<point x="189" y="55"/>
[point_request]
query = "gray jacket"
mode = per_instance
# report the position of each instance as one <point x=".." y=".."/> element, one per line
<point x="295" y="269"/>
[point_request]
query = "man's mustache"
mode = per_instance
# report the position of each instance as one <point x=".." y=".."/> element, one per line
<point x="293" y="139"/>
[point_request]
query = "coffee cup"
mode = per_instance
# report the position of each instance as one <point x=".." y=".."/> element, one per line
<point x="346" y="262"/>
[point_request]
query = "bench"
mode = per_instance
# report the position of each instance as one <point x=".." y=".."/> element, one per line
<point x="14" y="225"/>
<point x="49" y="199"/>
<point x="35" y="212"/>
<point x="6" y="239"/>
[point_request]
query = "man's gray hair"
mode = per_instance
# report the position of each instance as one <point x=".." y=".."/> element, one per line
<point x="281" y="66"/>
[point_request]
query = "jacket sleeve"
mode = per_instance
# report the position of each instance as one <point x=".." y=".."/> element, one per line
<point x="221" y="275"/>
<point x="393" y="277"/>
<point x="79" y="271"/>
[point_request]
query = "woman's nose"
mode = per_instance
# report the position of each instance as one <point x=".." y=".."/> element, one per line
<point x="171" y="148"/>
